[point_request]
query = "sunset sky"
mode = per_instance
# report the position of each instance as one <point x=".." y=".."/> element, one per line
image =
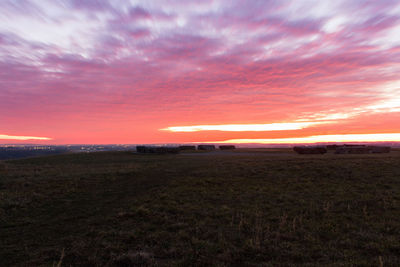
<point x="175" y="71"/>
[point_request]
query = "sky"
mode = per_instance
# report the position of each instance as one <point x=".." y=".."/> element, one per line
<point x="176" y="71"/>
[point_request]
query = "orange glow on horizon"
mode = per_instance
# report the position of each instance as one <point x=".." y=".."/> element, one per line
<point x="22" y="138"/>
<point x="390" y="137"/>
<point x="244" y="127"/>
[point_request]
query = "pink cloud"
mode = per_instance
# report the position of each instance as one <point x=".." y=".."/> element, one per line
<point x="140" y="33"/>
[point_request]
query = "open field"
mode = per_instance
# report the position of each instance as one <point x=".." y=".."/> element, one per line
<point x="245" y="208"/>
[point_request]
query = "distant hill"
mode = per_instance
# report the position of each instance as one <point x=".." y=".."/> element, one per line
<point x="19" y="153"/>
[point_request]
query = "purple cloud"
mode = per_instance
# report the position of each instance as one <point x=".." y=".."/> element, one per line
<point x="138" y="13"/>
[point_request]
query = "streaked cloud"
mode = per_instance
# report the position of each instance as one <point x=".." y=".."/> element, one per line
<point x="22" y="138"/>
<point x="244" y="127"/>
<point x="391" y="137"/>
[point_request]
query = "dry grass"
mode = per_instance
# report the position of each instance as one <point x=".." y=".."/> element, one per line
<point x="120" y="209"/>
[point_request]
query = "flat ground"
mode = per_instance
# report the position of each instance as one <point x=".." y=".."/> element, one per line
<point x="261" y="207"/>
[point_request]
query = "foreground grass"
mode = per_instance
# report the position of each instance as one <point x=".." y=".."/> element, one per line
<point x="121" y="209"/>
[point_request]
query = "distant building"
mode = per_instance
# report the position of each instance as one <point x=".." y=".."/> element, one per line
<point x="332" y="147"/>
<point x="226" y="147"/>
<point x="353" y="149"/>
<point x="380" y="149"/>
<point x="310" y="149"/>
<point x="157" y="150"/>
<point x="206" y="147"/>
<point x="361" y="149"/>
<point x="187" y="147"/>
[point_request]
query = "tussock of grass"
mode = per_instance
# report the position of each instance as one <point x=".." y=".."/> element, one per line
<point x="120" y="209"/>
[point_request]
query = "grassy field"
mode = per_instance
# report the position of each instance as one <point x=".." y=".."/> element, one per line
<point x="251" y="209"/>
